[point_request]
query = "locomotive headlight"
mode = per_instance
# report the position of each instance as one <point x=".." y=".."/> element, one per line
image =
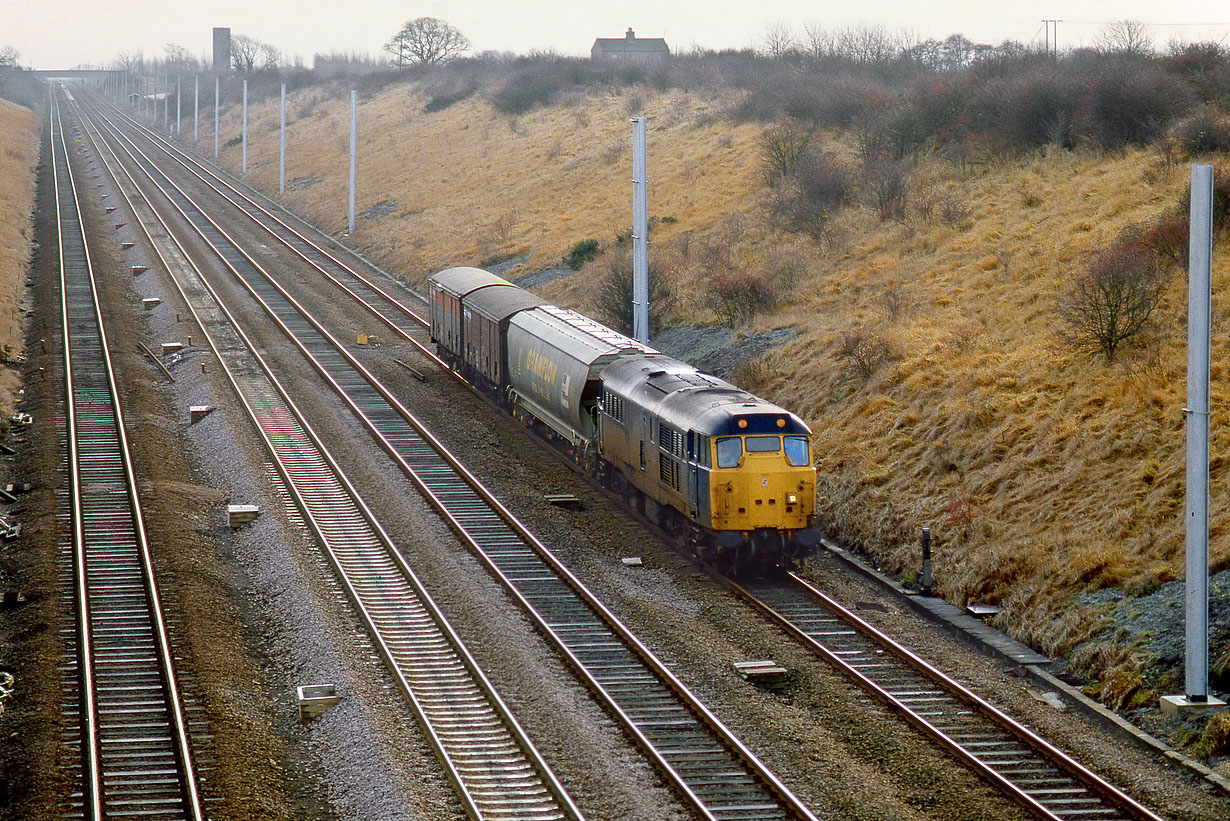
<point x="792" y="499"/>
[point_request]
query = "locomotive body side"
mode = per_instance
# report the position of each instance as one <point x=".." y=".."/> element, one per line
<point x="736" y="468"/>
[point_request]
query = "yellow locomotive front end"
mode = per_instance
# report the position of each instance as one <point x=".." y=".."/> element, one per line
<point x="762" y="481"/>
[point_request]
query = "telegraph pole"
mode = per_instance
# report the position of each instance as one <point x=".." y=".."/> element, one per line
<point x="282" y="151"/>
<point x="1052" y="42"/>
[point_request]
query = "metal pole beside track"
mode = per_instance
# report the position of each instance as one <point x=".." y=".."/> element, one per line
<point x="640" y="233"/>
<point x="245" y="127"/>
<point x="217" y="90"/>
<point x="354" y="102"/>
<point x="179" y="96"/>
<point x="196" y="109"/>
<point x="1199" y="300"/>
<point x="282" y="152"/>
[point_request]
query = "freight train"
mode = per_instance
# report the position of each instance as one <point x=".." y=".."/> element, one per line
<point x="719" y="469"/>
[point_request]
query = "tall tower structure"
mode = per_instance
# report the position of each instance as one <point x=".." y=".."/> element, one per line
<point x="222" y="50"/>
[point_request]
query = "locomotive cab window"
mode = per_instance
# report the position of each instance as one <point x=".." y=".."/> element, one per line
<point x="729" y="451"/>
<point x="763" y="444"/>
<point x="797" y="452"/>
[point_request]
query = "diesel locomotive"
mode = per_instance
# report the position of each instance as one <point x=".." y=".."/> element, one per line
<point x="719" y="469"/>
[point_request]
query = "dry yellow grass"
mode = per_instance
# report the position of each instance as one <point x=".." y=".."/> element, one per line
<point x="471" y="184"/>
<point x="19" y="139"/>
<point x="1042" y="473"/>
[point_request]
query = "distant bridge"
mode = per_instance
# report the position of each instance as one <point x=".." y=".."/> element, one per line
<point x="97" y="74"/>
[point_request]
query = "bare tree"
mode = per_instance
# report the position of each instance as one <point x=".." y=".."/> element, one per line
<point x="129" y="61"/>
<point x="9" y="57"/>
<point x="271" y="58"/>
<point x="177" y="58"/>
<point x="1113" y="300"/>
<point x="613" y="300"/>
<point x="781" y="148"/>
<point x="1125" y="37"/>
<point x="867" y="44"/>
<point x="244" y="52"/>
<point x="426" y="41"/>
<point x="779" y="41"/>
<point x="248" y="54"/>
<point x="818" y="42"/>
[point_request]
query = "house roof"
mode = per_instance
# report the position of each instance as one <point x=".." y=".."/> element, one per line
<point x="630" y="43"/>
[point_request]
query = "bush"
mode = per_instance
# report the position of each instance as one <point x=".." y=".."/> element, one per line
<point x="819" y="187"/>
<point x="1132" y="105"/>
<point x="581" y="253"/>
<point x="613" y="299"/>
<point x="1028" y="112"/>
<point x="1205" y="131"/>
<point x="537" y="81"/>
<point x="737" y="296"/>
<point x="781" y="148"/>
<point x="443" y="101"/>
<point x="1112" y="301"/>
<point x="815" y="98"/>
<point x="1196" y="60"/>
<point x="887" y="179"/>
<point x="833" y="102"/>
<point x="862" y="353"/>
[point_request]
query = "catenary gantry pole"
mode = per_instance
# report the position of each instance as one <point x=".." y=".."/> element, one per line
<point x="640" y="234"/>
<point x="354" y="104"/>
<point x="245" y="127"/>
<point x="1199" y="300"/>
<point x="282" y="147"/>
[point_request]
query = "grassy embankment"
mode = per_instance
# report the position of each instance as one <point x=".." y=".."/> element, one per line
<point x="19" y="149"/>
<point x="1043" y="473"/>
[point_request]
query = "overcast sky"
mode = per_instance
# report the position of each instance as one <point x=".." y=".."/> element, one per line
<point x="63" y="33"/>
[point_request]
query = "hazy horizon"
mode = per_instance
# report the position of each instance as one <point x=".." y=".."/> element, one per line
<point x="57" y="34"/>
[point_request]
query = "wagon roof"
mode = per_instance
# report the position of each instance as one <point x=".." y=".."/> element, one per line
<point x="461" y="280"/>
<point x="497" y="304"/>
<point x="577" y="336"/>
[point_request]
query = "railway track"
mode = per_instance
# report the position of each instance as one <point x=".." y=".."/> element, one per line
<point x="1040" y="777"/>
<point x="495" y="769"/>
<point x="711" y="769"/>
<point x="136" y="759"/>
<point x="1019" y="763"/>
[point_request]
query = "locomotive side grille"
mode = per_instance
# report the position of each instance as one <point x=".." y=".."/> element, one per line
<point x="613" y="406"/>
<point x="668" y="470"/>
